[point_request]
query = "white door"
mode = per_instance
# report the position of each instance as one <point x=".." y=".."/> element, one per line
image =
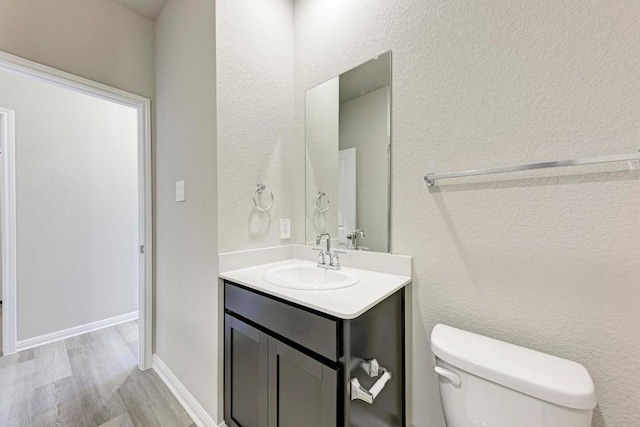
<point x="346" y="193"/>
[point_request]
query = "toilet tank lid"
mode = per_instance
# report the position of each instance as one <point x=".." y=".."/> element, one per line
<point x="540" y="375"/>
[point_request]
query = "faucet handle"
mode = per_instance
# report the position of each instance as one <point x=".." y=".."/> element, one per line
<point x="321" y="257"/>
<point x="335" y="259"/>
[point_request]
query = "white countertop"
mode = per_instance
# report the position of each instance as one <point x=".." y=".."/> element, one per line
<point x="345" y="303"/>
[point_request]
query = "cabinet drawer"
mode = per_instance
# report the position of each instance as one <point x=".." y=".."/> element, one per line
<point x="315" y="332"/>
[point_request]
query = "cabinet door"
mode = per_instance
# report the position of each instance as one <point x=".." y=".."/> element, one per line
<point x="302" y="391"/>
<point x="246" y="360"/>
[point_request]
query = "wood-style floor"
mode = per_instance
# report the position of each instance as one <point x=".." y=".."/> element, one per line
<point x="89" y="380"/>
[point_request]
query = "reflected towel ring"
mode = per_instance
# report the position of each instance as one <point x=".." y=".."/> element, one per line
<point x="259" y="190"/>
<point x="321" y="195"/>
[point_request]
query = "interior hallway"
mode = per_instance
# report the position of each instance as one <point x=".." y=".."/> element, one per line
<point x="88" y="380"/>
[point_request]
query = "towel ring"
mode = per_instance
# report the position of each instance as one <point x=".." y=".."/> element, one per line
<point x="321" y="195"/>
<point x="259" y="190"/>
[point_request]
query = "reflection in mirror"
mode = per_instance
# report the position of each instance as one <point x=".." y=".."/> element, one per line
<point x="348" y="140"/>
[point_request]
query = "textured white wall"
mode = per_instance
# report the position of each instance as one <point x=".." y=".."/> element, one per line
<point x="547" y="260"/>
<point x="255" y="121"/>
<point x="77" y="206"/>
<point x="187" y="295"/>
<point x="96" y="39"/>
<point x="364" y="125"/>
<point x="322" y="141"/>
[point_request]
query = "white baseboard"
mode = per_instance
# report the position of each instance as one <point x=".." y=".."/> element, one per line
<point x="75" y="331"/>
<point x="197" y="413"/>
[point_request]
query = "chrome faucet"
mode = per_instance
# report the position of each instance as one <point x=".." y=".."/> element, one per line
<point x="353" y="238"/>
<point x="327" y="259"/>
<point x="319" y="239"/>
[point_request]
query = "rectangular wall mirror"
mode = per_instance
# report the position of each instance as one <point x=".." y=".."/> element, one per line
<point x="348" y="140"/>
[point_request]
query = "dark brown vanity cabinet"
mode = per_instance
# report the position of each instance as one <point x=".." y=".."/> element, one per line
<point x="268" y="383"/>
<point x="302" y="391"/>
<point x="246" y="373"/>
<point x="289" y="366"/>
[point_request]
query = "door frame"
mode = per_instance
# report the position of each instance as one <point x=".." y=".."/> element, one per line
<point x="66" y="80"/>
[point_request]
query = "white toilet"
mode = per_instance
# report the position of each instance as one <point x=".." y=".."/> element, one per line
<point x="486" y="382"/>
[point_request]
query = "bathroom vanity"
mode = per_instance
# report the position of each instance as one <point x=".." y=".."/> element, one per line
<point x="303" y="357"/>
<point x="315" y="337"/>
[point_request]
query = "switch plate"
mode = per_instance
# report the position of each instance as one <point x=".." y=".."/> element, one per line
<point x="180" y="191"/>
<point x="285" y="228"/>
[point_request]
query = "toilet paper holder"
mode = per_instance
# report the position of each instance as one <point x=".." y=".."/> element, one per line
<point x="373" y="369"/>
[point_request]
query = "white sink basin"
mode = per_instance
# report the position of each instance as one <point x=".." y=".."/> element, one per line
<point x="309" y="277"/>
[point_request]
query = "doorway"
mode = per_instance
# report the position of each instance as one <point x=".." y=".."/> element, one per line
<point x="346" y="193"/>
<point x="141" y="174"/>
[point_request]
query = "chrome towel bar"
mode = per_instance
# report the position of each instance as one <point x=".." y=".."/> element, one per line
<point x="431" y="178"/>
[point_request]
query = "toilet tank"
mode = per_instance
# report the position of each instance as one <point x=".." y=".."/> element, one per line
<point x="486" y="382"/>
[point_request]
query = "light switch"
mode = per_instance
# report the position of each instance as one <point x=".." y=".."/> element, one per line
<point x="180" y="191"/>
<point x="285" y="228"/>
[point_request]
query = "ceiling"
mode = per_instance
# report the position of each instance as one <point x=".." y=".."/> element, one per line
<point x="146" y="8"/>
